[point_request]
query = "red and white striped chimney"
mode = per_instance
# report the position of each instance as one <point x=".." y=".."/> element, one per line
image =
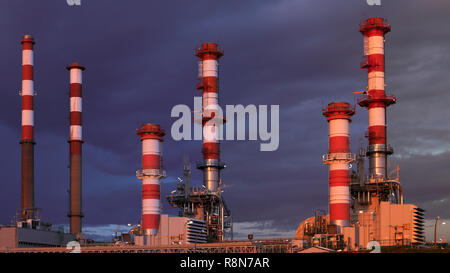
<point x="375" y="100"/>
<point x="75" y="141"/>
<point x="339" y="158"/>
<point x="27" y="141"/>
<point x="151" y="173"/>
<point x="209" y="54"/>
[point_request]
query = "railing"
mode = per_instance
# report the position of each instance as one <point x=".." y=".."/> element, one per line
<point x="243" y="246"/>
<point x="339" y="107"/>
<point x="374" y="23"/>
<point x="386" y="98"/>
<point x="150" y="172"/>
<point x="380" y="148"/>
<point x="202" y="164"/>
<point x="348" y="157"/>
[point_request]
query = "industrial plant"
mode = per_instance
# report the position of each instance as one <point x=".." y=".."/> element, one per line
<point x="364" y="208"/>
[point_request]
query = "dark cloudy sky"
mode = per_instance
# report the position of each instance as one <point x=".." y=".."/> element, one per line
<point x="299" y="54"/>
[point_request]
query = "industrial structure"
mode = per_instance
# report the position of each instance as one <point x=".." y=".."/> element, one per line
<point x="27" y="142"/>
<point x="28" y="230"/>
<point x="377" y="212"/>
<point x="151" y="137"/>
<point x="339" y="158"/>
<point x="75" y="142"/>
<point x="206" y="202"/>
<point x="361" y="207"/>
<point x="172" y="231"/>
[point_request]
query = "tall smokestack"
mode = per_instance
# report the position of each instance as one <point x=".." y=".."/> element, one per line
<point x="209" y="54"/>
<point x="27" y="141"/>
<point x="338" y="158"/>
<point x="375" y="100"/>
<point x="75" y="142"/>
<point x="151" y="172"/>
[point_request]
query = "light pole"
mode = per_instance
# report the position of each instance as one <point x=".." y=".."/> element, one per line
<point x="435" y="229"/>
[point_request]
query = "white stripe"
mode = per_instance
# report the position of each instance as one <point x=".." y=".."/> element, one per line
<point x="27" y="117"/>
<point x="377" y="116"/>
<point x="376" y="45"/>
<point x="339" y="127"/>
<point x="75" y="132"/>
<point x="210" y="133"/>
<point x="339" y="195"/>
<point x="151" y="211"/>
<point x="75" y="75"/>
<point x="339" y="166"/>
<point x="27" y="57"/>
<point x="150" y="202"/>
<point x="75" y="104"/>
<point x="150" y="146"/>
<point x="151" y="206"/>
<point x="150" y="180"/>
<point x="210" y="68"/>
<point x="210" y="100"/>
<point x="27" y="88"/>
<point x="376" y="80"/>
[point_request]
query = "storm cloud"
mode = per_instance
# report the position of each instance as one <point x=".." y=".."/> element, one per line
<point x="300" y="55"/>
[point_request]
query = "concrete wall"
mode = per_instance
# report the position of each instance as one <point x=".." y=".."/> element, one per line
<point x="388" y="224"/>
<point x="8" y="237"/>
<point x="38" y="238"/>
<point x="26" y="237"/>
<point x="172" y="230"/>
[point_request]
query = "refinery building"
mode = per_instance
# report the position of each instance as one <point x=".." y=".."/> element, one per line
<point x="365" y="198"/>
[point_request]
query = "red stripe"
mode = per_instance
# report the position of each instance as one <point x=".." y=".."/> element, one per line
<point x="339" y="178"/>
<point x="377" y="94"/>
<point x="377" y="134"/>
<point x="150" y="221"/>
<point x="210" y="150"/>
<point x="340" y="211"/>
<point x="75" y="118"/>
<point x="75" y="147"/>
<point x="339" y="144"/>
<point x="27" y="102"/>
<point x="151" y="162"/>
<point x="27" y="132"/>
<point x="151" y="191"/>
<point x="376" y="62"/>
<point x="374" y="32"/>
<point x="27" y="72"/>
<point x="27" y="45"/>
<point x="209" y="56"/>
<point x="210" y="84"/>
<point x="75" y="90"/>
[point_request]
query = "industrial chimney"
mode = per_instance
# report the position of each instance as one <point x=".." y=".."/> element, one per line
<point x="75" y="142"/>
<point x="27" y="141"/>
<point x="151" y="137"/>
<point x="209" y="54"/>
<point x="375" y="99"/>
<point x="338" y="115"/>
